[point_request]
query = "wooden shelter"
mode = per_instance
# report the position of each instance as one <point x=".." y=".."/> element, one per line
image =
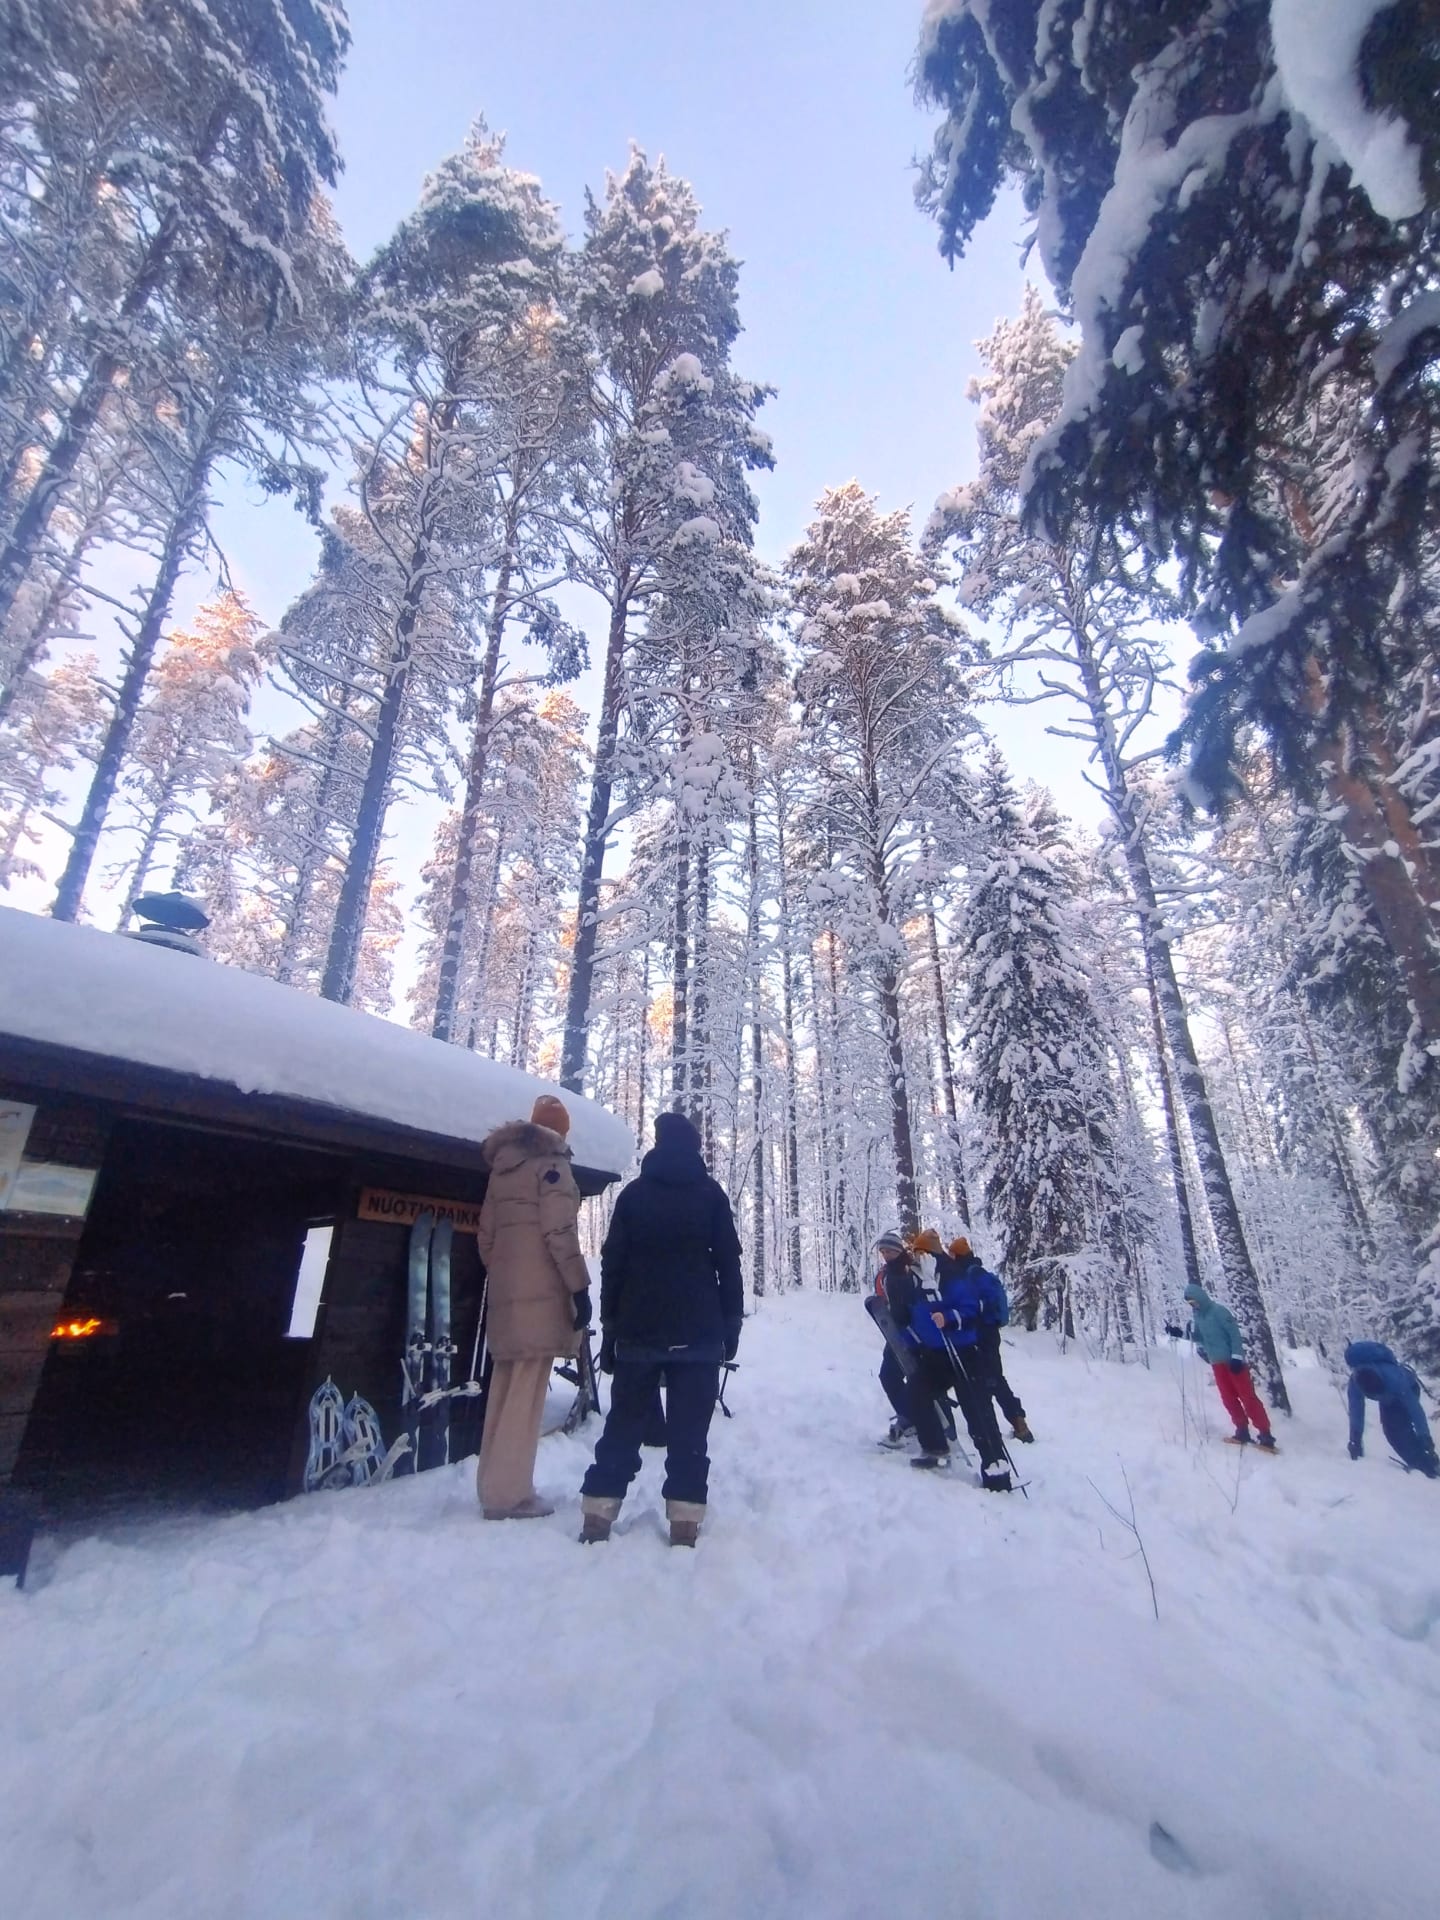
<point x="207" y="1183"/>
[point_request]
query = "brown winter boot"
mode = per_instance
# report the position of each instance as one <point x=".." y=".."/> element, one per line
<point x="1019" y="1429"/>
<point x="598" y="1515"/>
<point x="684" y="1517"/>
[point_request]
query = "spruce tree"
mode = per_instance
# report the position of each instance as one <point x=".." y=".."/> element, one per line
<point x="1037" y="1051"/>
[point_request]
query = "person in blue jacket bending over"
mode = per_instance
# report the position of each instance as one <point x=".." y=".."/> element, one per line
<point x="1375" y="1374"/>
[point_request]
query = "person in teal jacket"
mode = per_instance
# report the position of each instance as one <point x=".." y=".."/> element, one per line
<point x="1375" y="1374"/>
<point x="1218" y="1339"/>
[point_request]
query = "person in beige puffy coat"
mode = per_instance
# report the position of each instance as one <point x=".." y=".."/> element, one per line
<point x="537" y="1294"/>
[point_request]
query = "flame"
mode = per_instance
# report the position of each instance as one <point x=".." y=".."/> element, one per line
<point x="76" y="1329"/>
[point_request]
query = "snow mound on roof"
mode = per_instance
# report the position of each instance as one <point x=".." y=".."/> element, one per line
<point x="93" y="992"/>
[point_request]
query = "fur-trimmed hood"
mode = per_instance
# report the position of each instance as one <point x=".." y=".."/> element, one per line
<point x="521" y="1140"/>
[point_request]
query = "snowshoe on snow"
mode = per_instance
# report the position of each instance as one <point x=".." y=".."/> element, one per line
<point x="1266" y="1443"/>
<point x="931" y="1462"/>
<point x="997" y="1480"/>
<point x="1240" y="1437"/>
<point x="900" y="1434"/>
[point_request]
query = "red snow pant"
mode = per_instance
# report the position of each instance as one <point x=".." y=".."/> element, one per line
<point x="1242" y="1403"/>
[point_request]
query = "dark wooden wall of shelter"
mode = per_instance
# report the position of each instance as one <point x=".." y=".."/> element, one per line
<point x="360" y="1329"/>
<point x="37" y="1252"/>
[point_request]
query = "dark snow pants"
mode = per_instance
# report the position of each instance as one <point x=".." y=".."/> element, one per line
<point x="1414" y="1446"/>
<point x="897" y="1392"/>
<point x="987" y="1346"/>
<point x="935" y="1373"/>
<point x="691" y="1389"/>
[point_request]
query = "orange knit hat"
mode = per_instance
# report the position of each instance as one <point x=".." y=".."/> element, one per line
<point x="550" y="1112"/>
<point x="960" y="1248"/>
<point x="926" y="1241"/>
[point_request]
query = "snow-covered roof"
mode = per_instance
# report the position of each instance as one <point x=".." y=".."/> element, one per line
<point x="95" y="993"/>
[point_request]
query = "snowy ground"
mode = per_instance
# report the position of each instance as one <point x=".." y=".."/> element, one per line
<point x="869" y="1693"/>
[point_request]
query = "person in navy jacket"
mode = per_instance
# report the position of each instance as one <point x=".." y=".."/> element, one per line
<point x="1375" y="1374"/>
<point x="671" y="1305"/>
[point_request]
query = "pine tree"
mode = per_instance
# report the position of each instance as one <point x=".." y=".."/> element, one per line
<point x="190" y="730"/>
<point x="884" y="711"/>
<point x="243" y="394"/>
<point x="54" y="724"/>
<point x="523" y="831"/>
<point x="447" y="311"/>
<point x="208" y="152"/>
<point x="663" y="505"/>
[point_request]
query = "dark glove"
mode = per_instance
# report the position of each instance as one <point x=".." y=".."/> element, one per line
<point x="732" y="1340"/>
<point x="1355" y="1449"/>
<point x="580" y="1307"/>
<point x="1175" y="1333"/>
<point x="606" y="1362"/>
<point x="1237" y="1366"/>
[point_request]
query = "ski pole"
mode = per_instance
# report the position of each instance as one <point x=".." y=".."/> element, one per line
<point x="954" y="1359"/>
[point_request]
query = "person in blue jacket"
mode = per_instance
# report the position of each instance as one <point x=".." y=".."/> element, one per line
<point x="994" y="1314"/>
<point x="941" y="1318"/>
<point x="1375" y="1374"/>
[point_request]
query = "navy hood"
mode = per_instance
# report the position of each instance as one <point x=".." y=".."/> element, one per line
<point x="673" y="1166"/>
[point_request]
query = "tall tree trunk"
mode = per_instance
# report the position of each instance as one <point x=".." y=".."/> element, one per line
<point x="491" y="901"/>
<point x="1172" y="1133"/>
<point x="757" y="1051"/>
<point x="1347" y="1181"/>
<point x="680" y="972"/>
<point x="888" y="988"/>
<point x="643" y="1064"/>
<point x="1393" y="870"/>
<point x="832" y="1129"/>
<point x="1230" y="1241"/>
<point x="348" y="932"/>
<point x="33" y="519"/>
<point x="159" y="820"/>
<point x="597" y="836"/>
<point x="314" y="854"/>
<point x="189" y="513"/>
<point x="1244" y="1284"/>
<point x="520" y="1030"/>
<point x="33" y="644"/>
<point x="701" y="1104"/>
<point x="947" y="1066"/>
<point x="787" y="1021"/>
<point x="457" y="915"/>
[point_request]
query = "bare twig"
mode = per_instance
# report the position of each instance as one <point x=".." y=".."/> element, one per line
<point x="1133" y="1526"/>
